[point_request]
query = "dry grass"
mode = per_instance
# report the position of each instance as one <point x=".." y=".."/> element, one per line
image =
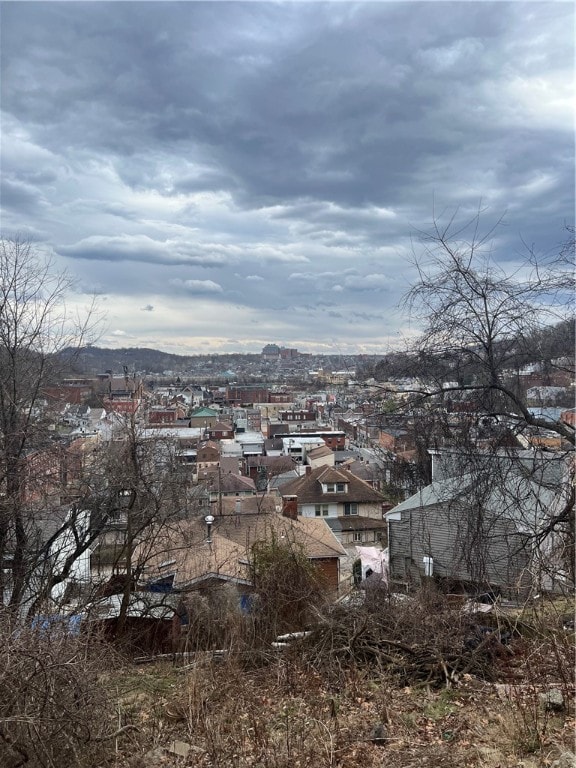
<point x="286" y="711"/>
<point x="284" y="715"/>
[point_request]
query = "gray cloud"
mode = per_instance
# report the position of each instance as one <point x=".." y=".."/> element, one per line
<point x="138" y="248"/>
<point x="280" y="159"/>
<point x="20" y="196"/>
<point x="196" y="286"/>
<point x="374" y="282"/>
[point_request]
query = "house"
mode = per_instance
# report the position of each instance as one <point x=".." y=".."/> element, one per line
<point x="298" y="446"/>
<point x="329" y="492"/>
<point x="189" y="556"/>
<point x="222" y="484"/>
<point x="246" y="394"/>
<point x="165" y="415"/>
<point x="471" y="532"/>
<point x="336" y="440"/>
<point x="297" y="416"/>
<point x="191" y="396"/>
<point x="273" y="446"/>
<point x="251" y="443"/>
<point x="207" y="454"/>
<point x="264" y="468"/>
<point x="352" y="531"/>
<point x="123" y="394"/>
<point x="203" y="417"/>
<point x="72" y="391"/>
<point x="348" y="423"/>
<point x="370" y="472"/>
<point x="220" y="431"/>
<point x="352" y="509"/>
<point x="320" y="457"/>
<point x="395" y="440"/>
<point x="77" y="416"/>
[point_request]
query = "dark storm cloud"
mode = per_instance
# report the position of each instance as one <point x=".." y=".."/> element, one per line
<point x="138" y="248"/>
<point x="221" y="143"/>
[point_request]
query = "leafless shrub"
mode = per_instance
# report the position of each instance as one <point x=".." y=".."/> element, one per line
<point x="53" y="710"/>
<point x="215" y="620"/>
<point x="545" y="662"/>
<point x="420" y="640"/>
<point x="287" y="588"/>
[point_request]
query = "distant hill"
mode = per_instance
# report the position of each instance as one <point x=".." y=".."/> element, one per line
<point x="543" y="346"/>
<point x="92" y="360"/>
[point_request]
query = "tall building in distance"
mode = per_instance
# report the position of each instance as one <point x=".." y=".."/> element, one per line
<point x="274" y="352"/>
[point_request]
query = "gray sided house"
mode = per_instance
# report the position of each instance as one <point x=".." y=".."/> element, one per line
<point x="471" y="533"/>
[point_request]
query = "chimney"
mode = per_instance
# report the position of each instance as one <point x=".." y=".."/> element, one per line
<point x="290" y="507"/>
<point x="386" y="507"/>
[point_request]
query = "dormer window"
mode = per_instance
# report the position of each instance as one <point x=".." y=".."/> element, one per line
<point x="335" y="487"/>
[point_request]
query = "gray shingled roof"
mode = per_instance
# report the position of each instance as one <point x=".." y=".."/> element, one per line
<point x="356" y="523"/>
<point x="308" y="488"/>
<point x="514" y="496"/>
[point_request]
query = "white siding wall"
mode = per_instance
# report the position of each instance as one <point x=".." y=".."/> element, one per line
<point x="309" y="510"/>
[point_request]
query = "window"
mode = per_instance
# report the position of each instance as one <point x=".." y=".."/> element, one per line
<point x="321" y="510"/>
<point x="358" y="536"/>
<point x="351" y="508"/>
<point x="335" y="487"/>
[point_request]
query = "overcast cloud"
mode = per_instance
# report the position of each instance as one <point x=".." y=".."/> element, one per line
<point x="224" y="175"/>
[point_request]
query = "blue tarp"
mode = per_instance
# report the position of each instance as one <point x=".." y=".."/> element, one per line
<point x="69" y="625"/>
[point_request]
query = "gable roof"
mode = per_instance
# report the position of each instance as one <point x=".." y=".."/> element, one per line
<point x="362" y="469"/>
<point x="518" y="498"/>
<point x="209" y="444"/>
<point x="220" y="559"/>
<point x="312" y="534"/>
<point x="203" y="412"/>
<point x="228" y="506"/>
<point x="227" y="482"/>
<point x="220" y="426"/>
<point x="308" y="488"/>
<point x="230" y="483"/>
<point x="229" y="465"/>
<point x="317" y="453"/>
<point x="356" y="523"/>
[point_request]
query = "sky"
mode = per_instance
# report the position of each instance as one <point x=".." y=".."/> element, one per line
<point x="222" y="175"/>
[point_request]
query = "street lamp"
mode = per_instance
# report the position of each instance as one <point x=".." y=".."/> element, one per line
<point x="209" y="520"/>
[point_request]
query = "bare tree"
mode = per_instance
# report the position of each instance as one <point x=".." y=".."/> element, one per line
<point x="35" y="325"/>
<point x="482" y="323"/>
<point x="142" y="471"/>
<point x="482" y="319"/>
